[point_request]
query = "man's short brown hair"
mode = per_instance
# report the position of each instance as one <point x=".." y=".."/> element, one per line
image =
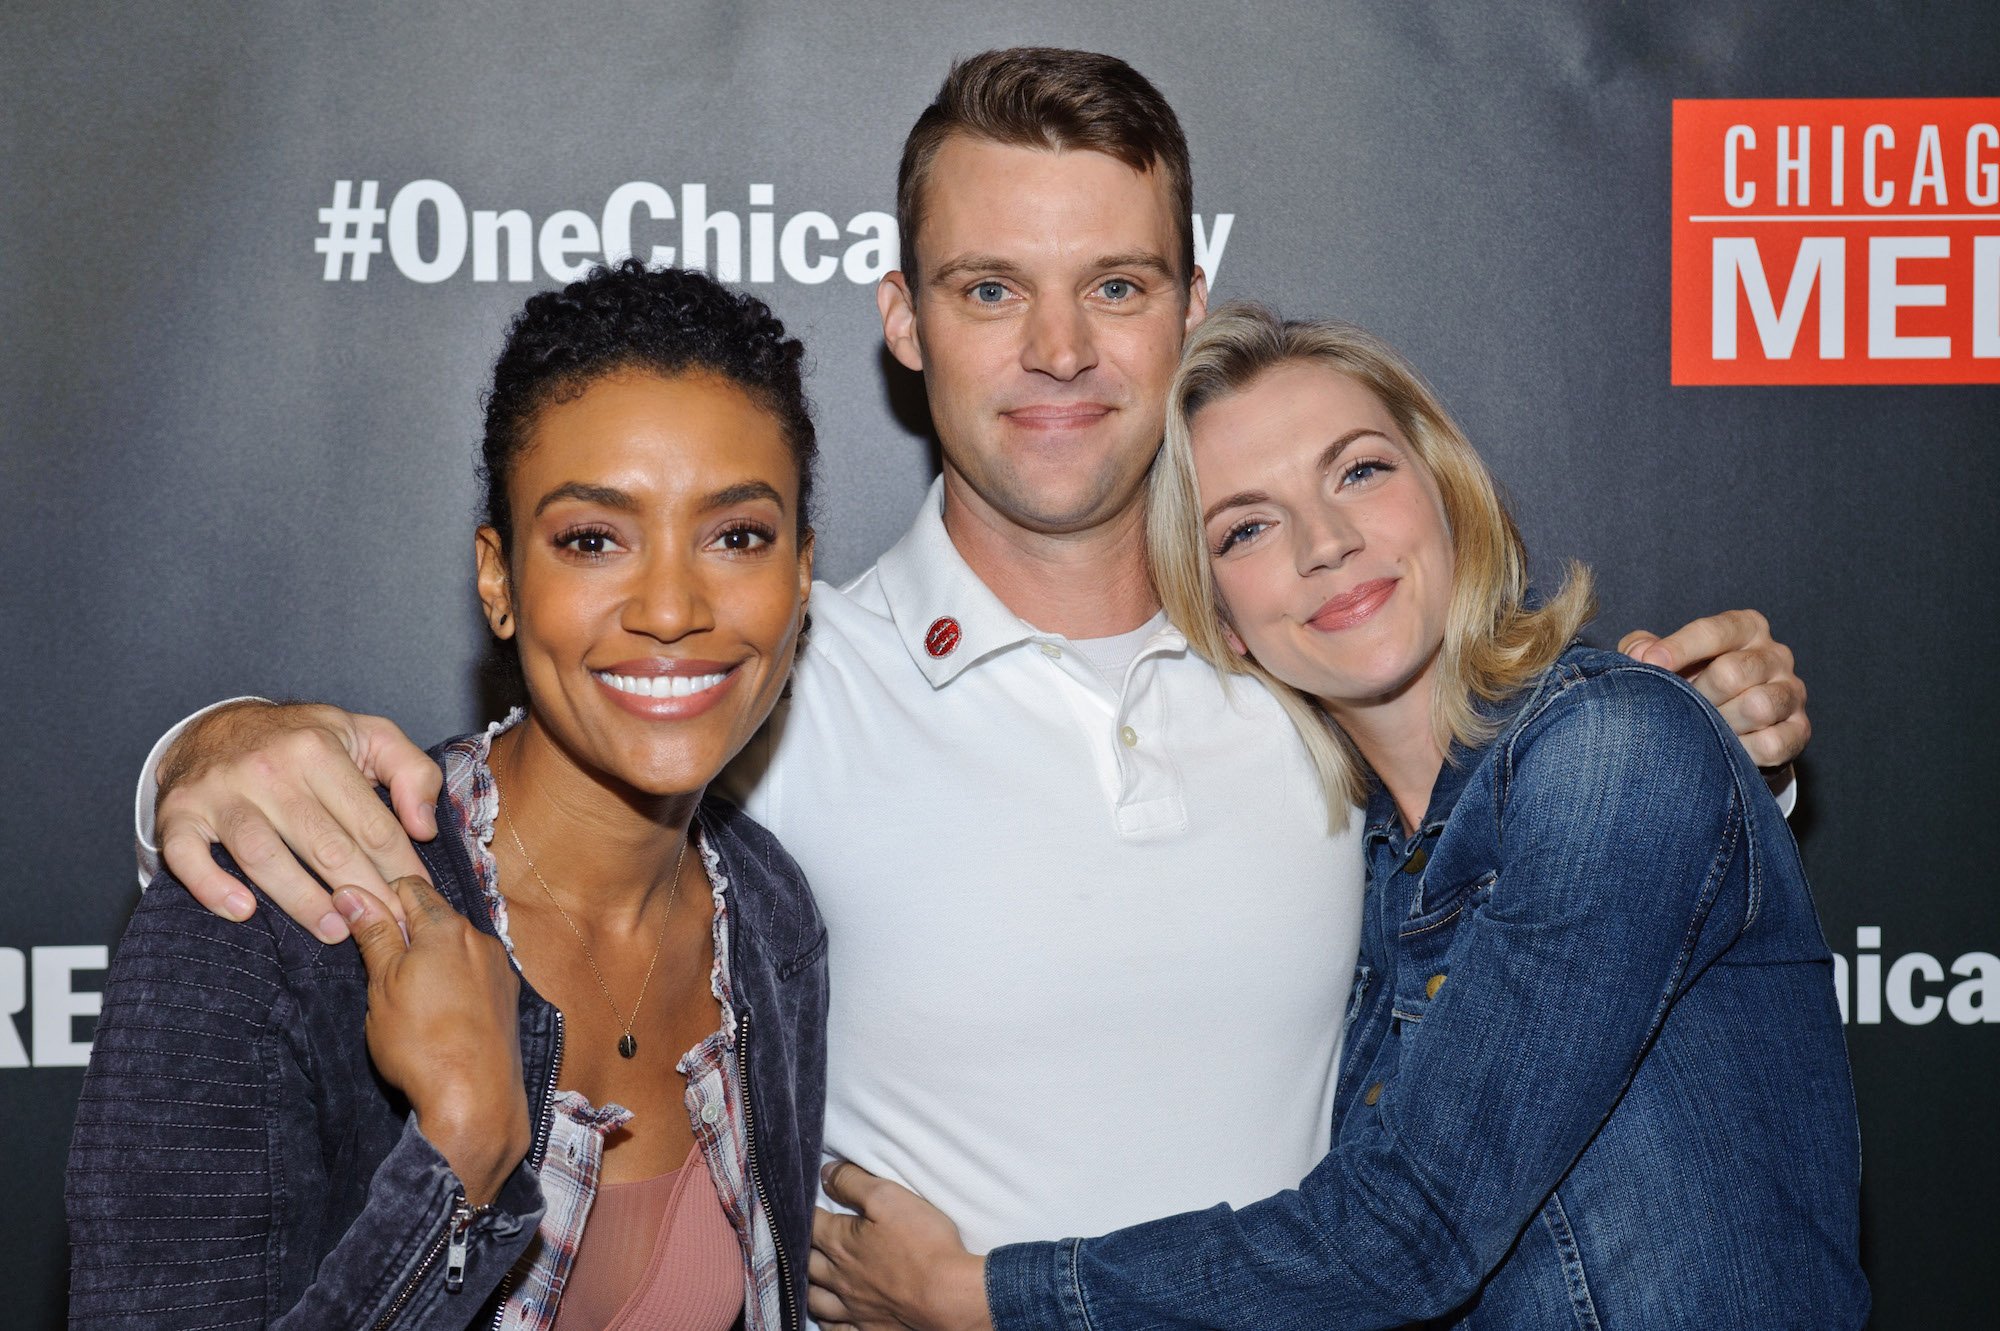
<point x="1060" y="100"/>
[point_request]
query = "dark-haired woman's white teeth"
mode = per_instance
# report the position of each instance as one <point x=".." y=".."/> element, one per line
<point x="661" y="686"/>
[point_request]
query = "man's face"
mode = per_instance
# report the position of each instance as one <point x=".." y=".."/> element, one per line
<point x="1047" y="321"/>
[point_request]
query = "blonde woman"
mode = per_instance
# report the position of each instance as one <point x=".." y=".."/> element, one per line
<point x="1594" y="1072"/>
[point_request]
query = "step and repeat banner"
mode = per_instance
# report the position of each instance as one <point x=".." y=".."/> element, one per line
<point x="1715" y="287"/>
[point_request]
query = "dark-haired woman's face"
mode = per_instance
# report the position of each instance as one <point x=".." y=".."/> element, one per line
<point x="657" y="582"/>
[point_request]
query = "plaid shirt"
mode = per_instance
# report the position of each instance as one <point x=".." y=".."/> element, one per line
<point x="574" y="1158"/>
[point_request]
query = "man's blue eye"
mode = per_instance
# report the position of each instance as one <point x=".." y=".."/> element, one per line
<point x="989" y="293"/>
<point x="1117" y="288"/>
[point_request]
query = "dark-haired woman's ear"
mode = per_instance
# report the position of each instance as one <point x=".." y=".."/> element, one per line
<point x="494" y="594"/>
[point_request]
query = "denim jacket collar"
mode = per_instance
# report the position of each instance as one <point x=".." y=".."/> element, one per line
<point x="1384" y="823"/>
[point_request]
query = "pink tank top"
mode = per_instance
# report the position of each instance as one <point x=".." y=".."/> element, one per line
<point x="657" y="1254"/>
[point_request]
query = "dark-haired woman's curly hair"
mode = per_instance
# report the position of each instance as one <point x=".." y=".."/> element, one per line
<point x="670" y="321"/>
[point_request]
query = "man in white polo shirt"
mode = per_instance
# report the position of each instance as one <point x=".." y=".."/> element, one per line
<point x="1092" y="940"/>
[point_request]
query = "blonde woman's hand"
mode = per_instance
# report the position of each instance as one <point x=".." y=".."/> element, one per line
<point x="443" y="1029"/>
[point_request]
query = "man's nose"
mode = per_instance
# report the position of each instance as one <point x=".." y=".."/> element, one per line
<point x="1059" y="340"/>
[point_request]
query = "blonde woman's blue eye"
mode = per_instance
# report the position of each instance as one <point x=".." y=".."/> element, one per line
<point x="1236" y="536"/>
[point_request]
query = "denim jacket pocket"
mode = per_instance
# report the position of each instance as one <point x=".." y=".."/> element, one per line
<point x="1424" y="942"/>
<point x="804" y="959"/>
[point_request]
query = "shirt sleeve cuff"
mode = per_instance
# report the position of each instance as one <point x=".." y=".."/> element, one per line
<point x="1788" y="794"/>
<point x="1033" y="1287"/>
<point x="146" y="803"/>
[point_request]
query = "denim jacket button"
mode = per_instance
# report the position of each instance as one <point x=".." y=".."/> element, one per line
<point x="1432" y="985"/>
<point x="1417" y="861"/>
<point x="1373" y="1094"/>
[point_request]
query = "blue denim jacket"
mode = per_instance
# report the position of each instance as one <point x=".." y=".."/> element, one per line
<point x="1595" y="1074"/>
<point x="237" y="1163"/>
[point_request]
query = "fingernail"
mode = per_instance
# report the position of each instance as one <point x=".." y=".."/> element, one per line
<point x="240" y="905"/>
<point x="331" y="928"/>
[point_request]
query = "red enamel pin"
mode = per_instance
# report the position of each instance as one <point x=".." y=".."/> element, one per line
<point x="942" y="638"/>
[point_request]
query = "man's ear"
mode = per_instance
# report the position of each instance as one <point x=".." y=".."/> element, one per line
<point x="898" y="306"/>
<point x="495" y="590"/>
<point x="1197" y="309"/>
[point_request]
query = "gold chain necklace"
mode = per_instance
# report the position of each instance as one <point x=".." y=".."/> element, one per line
<point x="628" y="1045"/>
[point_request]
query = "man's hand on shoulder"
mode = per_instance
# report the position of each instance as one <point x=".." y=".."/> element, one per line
<point x="1735" y="663"/>
<point x="288" y="789"/>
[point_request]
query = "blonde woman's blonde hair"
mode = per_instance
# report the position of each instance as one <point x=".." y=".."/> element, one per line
<point x="1495" y="641"/>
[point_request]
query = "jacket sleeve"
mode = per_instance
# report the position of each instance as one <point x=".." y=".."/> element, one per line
<point x="201" y="1151"/>
<point x="1618" y="813"/>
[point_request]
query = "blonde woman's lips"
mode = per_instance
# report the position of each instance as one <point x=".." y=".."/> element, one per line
<point x="1354" y="606"/>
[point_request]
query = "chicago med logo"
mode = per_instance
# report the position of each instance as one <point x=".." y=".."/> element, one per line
<point x="1837" y="241"/>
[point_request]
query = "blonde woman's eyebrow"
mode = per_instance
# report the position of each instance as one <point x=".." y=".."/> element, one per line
<point x="1328" y="456"/>
<point x="1331" y="454"/>
<point x="1241" y="499"/>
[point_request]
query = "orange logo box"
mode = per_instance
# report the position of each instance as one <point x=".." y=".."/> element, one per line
<point x="1837" y="241"/>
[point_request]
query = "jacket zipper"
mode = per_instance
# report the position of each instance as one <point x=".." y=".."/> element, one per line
<point x="536" y="1153"/>
<point x="788" y="1313"/>
<point x="461" y="1219"/>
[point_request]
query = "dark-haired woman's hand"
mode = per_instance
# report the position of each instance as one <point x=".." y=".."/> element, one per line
<point x="442" y="1029"/>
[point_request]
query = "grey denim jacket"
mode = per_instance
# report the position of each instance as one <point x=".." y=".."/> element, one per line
<point x="236" y="1161"/>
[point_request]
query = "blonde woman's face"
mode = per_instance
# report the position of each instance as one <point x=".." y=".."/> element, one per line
<point x="1329" y="541"/>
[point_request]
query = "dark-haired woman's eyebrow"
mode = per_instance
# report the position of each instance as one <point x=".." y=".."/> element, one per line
<point x="604" y="496"/>
<point x="742" y="493"/>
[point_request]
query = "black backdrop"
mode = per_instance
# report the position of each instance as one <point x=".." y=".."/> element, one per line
<point x="221" y="471"/>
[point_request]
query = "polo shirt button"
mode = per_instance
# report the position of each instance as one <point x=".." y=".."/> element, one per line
<point x="1053" y="652"/>
<point x="1128" y="737"/>
<point x="1373" y="1094"/>
<point x="710" y="1112"/>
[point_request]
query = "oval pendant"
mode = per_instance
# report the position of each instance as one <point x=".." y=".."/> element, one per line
<point x="627" y="1046"/>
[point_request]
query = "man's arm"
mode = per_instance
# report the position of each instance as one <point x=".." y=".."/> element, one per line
<point x="1733" y="661"/>
<point x="289" y="790"/>
<point x="196" y="1171"/>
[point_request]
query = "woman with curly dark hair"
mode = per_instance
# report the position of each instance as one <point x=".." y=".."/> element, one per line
<point x="587" y="1090"/>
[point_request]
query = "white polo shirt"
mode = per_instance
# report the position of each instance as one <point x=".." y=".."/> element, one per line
<point x="1090" y="946"/>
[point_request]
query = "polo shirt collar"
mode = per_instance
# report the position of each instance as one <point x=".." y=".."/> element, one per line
<point x="934" y="597"/>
